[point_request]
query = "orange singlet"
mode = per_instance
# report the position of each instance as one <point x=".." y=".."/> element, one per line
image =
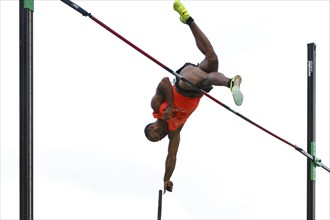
<point x="183" y="107"/>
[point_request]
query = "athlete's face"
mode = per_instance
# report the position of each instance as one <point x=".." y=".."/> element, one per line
<point x="156" y="132"/>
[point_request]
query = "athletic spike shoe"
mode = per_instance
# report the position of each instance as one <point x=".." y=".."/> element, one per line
<point x="235" y="90"/>
<point x="179" y="7"/>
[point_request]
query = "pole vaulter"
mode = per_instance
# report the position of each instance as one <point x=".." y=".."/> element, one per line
<point x="312" y="158"/>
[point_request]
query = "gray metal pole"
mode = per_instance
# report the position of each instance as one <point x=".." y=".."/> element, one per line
<point x="26" y="108"/>
<point x="311" y="94"/>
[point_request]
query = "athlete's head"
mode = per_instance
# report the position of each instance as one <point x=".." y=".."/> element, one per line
<point x="156" y="131"/>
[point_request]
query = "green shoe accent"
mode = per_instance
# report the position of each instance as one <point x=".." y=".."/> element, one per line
<point x="179" y="7"/>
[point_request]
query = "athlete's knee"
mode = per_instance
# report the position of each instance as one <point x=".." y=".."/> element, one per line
<point x="212" y="58"/>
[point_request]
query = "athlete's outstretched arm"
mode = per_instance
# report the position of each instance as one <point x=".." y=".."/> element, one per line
<point x="173" y="147"/>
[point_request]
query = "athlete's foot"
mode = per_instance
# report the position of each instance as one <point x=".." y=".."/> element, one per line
<point x="184" y="14"/>
<point x="235" y="90"/>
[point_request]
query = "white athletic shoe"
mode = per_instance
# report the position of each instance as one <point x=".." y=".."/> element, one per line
<point x="235" y="90"/>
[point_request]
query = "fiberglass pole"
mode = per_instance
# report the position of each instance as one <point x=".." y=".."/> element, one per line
<point x="26" y="8"/>
<point x="311" y="94"/>
<point x="159" y="213"/>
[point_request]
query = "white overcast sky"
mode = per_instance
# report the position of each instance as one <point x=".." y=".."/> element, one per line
<point x="92" y="101"/>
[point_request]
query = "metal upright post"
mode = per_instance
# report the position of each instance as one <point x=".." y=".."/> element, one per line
<point x="26" y="8"/>
<point x="311" y="94"/>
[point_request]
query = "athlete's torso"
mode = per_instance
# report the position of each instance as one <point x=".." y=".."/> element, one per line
<point x="183" y="107"/>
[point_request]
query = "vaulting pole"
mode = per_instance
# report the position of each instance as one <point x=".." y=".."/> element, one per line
<point x="299" y="149"/>
<point x="311" y="147"/>
<point x="26" y="8"/>
<point x="159" y="213"/>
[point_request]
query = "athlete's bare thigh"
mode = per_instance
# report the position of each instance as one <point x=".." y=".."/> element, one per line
<point x="194" y="75"/>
